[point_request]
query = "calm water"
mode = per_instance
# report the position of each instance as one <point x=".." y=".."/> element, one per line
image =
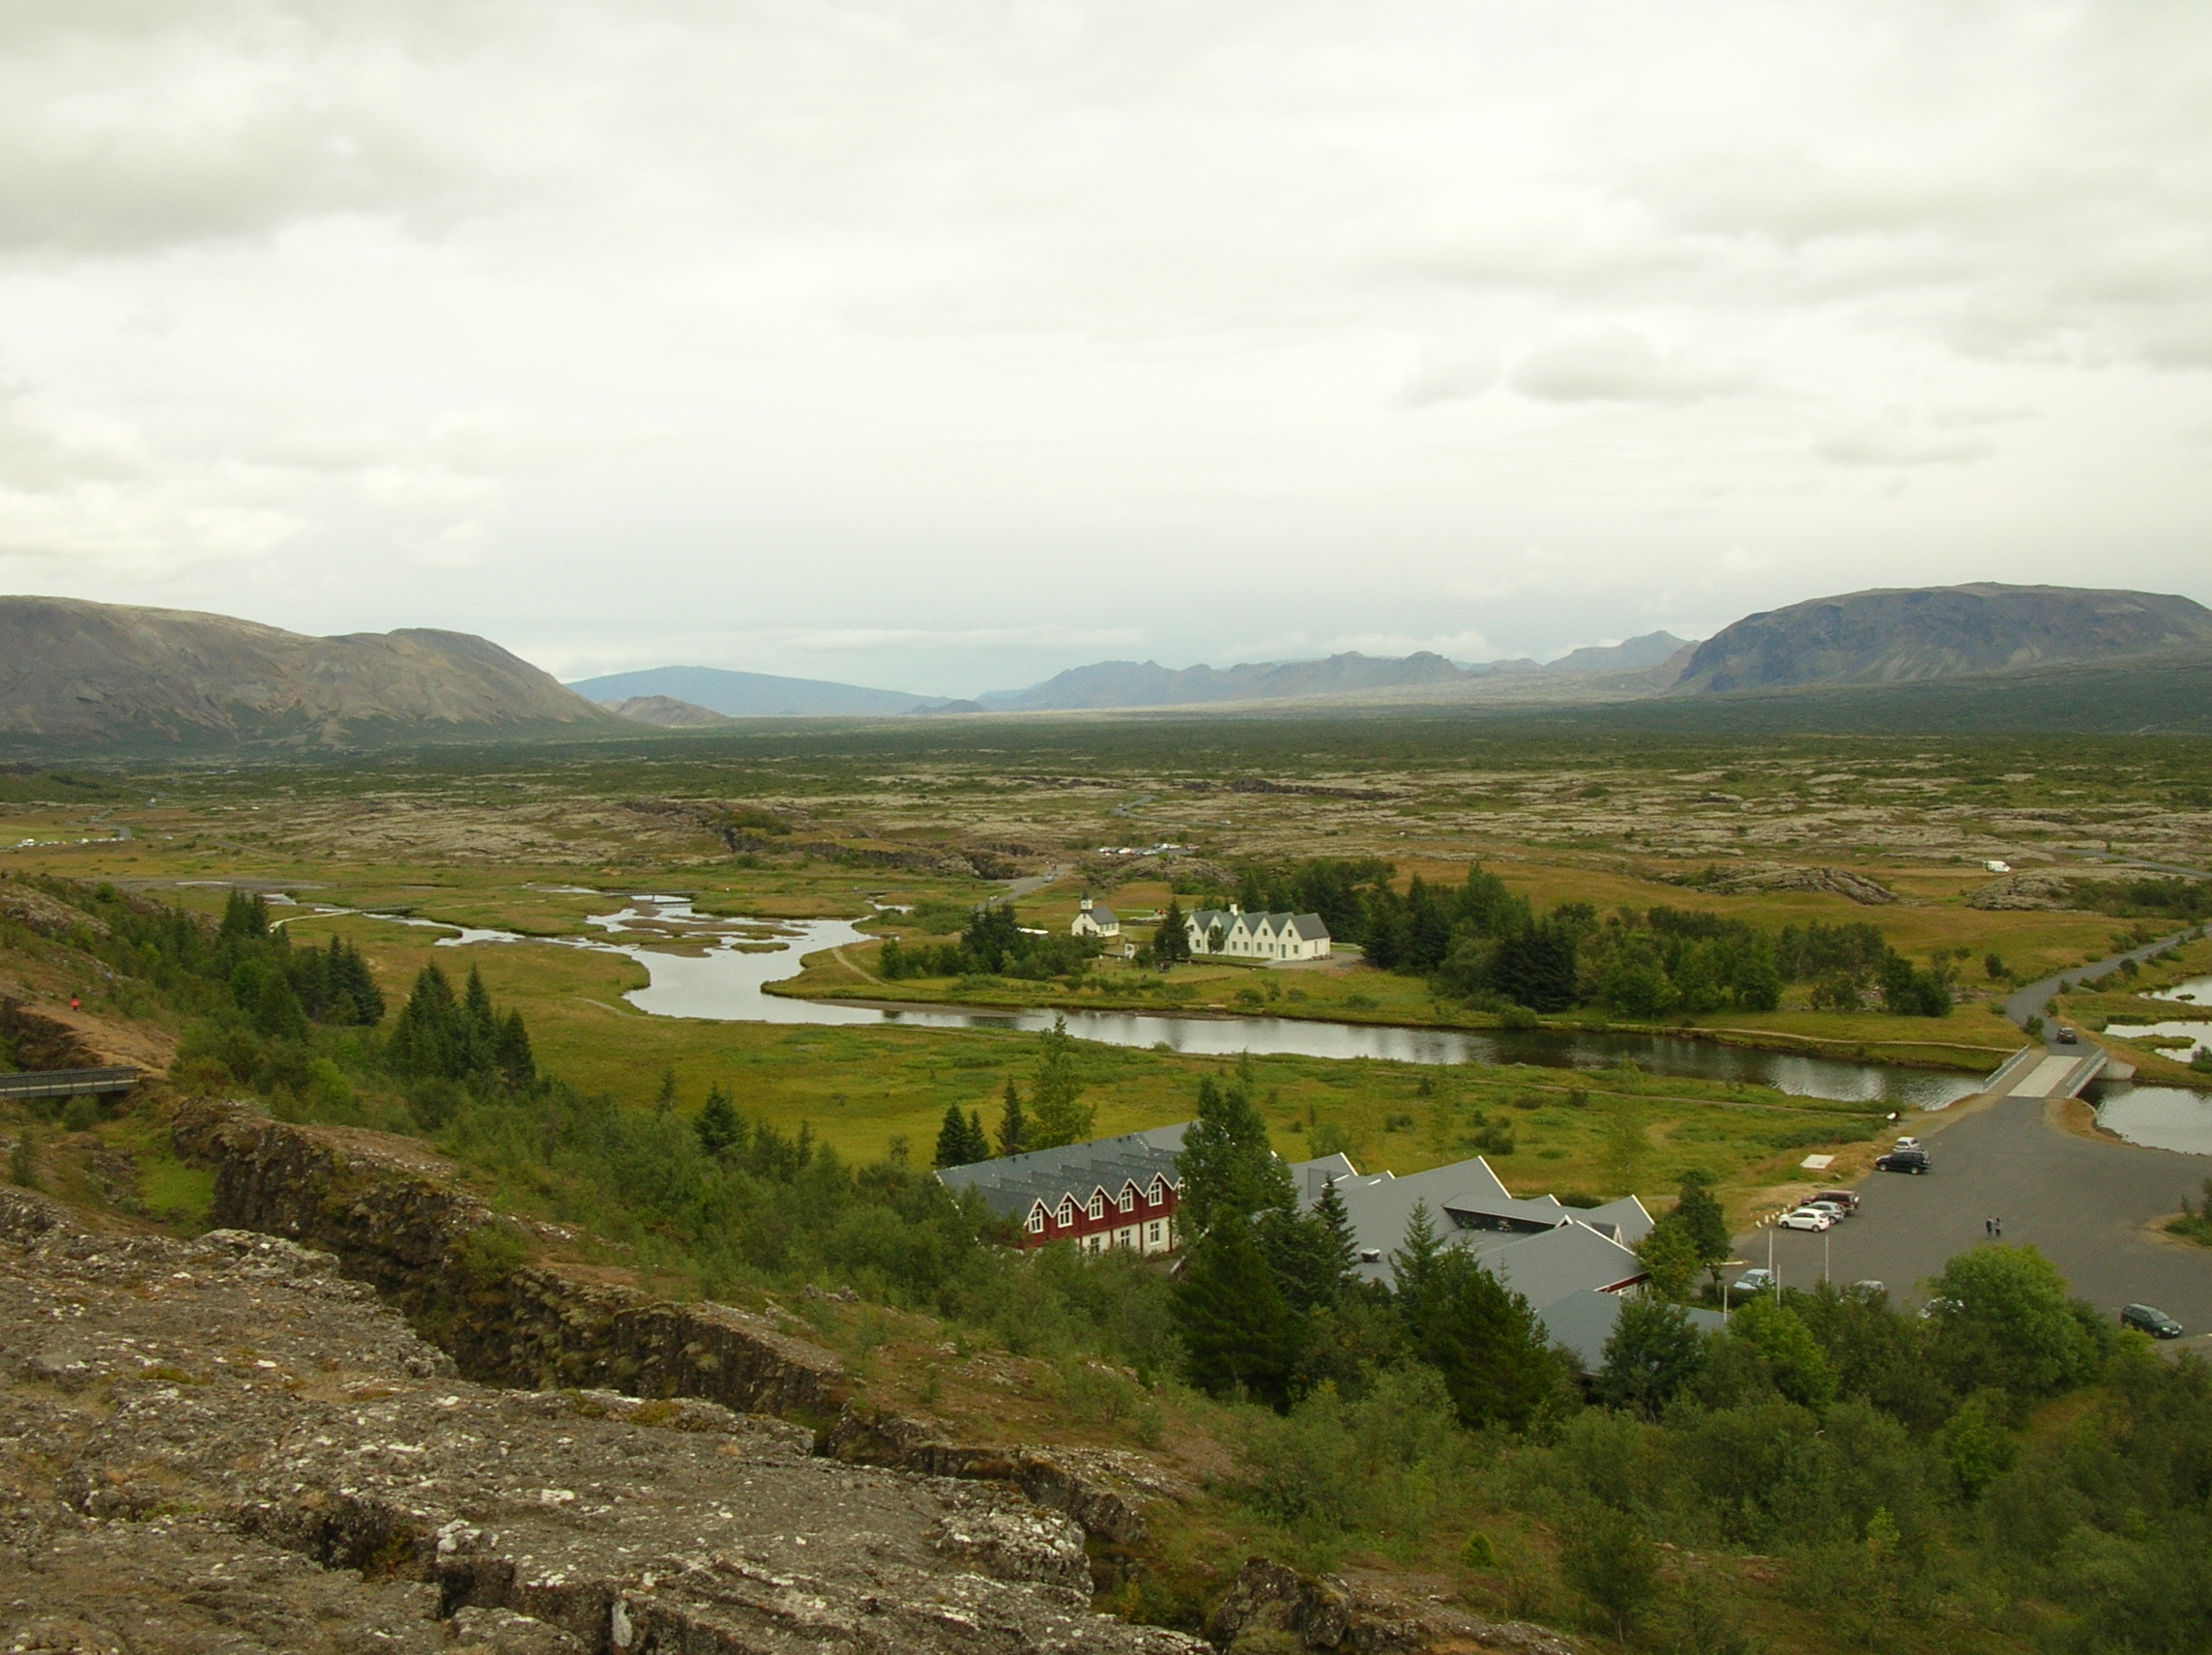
<point x="724" y="982"/>
<point x="2164" y="1117"/>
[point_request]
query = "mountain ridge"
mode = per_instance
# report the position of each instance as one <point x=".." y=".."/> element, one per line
<point x="748" y="694"/>
<point x="118" y="678"/>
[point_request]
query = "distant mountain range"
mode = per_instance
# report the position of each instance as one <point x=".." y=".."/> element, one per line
<point x="104" y="678"/>
<point x="749" y="694"/>
<point x="93" y="678"/>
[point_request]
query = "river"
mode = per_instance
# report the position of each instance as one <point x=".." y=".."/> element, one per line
<point x="716" y="968"/>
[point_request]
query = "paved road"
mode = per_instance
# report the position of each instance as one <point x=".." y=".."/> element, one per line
<point x="2034" y="1000"/>
<point x="2083" y="1202"/>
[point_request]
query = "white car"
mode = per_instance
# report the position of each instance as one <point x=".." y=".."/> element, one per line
<point x="1807" y="1218"/>
<point x="1906" y="1144"/>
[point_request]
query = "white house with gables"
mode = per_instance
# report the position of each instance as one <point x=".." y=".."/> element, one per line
<point x="1094" y="919"/>
<point x="1234" y="934"/>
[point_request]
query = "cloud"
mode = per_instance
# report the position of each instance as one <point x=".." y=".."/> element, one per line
<point x="1900" y="438"/>
<point x="1616" y="363"/>
<point x="1447" y="379"/>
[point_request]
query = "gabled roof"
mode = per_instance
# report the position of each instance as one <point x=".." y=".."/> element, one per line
<point x="1012" y="1184"/>
<point x="1625" y="1220"/>
<point x="1574" y="1258"/>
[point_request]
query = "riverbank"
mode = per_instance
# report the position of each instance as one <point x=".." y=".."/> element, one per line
<point x="1971" y="1040"/>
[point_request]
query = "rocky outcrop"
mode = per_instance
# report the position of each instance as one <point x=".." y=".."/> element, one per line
<point x="1273" y="1606"/>
<point x="225" y="1444"/>
<point x="1746" y="877"/>
<point x="396" y="1217"/>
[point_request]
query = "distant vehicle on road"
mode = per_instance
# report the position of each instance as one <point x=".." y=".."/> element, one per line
<point x="2148" y="1318"/>
<point x="1901" y="1161"/>
<point x="1753" y="1280"/>
<point x="1848" y="1200"/>
<point x="2067" y="1037"/>
<point x="1808" y="1218"/>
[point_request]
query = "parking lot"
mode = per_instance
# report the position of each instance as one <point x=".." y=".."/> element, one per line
<point x="2084" y="1202"/>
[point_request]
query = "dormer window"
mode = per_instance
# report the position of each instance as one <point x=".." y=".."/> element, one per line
<point x="1155" y="1195"/>
<point x="1036" y="1221"/>
<point x="1098" y="1203"/>
<point x="1066" y="1213"/>
<point x="1129" y="1201"/>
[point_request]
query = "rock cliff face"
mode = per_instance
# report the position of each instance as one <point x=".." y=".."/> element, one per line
<point x="1890" y="636"/>
<point x="102" y="677"/>
<point x="197" y="1437"/>
<point x="392" y="1215"/>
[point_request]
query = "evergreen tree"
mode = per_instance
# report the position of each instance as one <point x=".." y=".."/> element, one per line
<point x="479" y="1024"/>
<point x="1343" y="1244"/>
<point x="664" y="1101"/>
<point x="718" y="1124"/>
<point x="351" y="977"/>
<point x="953" y="1142"/>
<point x="979" y="1141"/>
<point x="1413" y="1265"/>
<point x="1013" y="1128"/>
<point x="1229" y="1170"/>
<point x="1488" y="1345"/>
<point x="277" y="1010"/>
<point x="1171" y="943"/>
<point x="244" y="917"/>
<point x="1301" y="1254"/>
<point x="425" y="1036"/>
<point x="517" y="1066"/>
<point x="1057" y="1112"/>
<point x="1238" y="1333"/>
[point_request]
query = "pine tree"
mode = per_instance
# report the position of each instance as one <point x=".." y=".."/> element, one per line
<point x="1343" y="1242"/>
<point x="244" y="916"/>
<point x="480" y="1025"/>
<point x="718" y="1124"/>
<point x="1172" y="940"/>
<point x="1229" y="1170"/>
<point x="952" y="1139"/>
<point x="1302" y="1255"/>
<point x="979" y="1141"/>
<point x="1413" y="1265"/>
<point x="277" y="1010"/>
<point x="1013" y="1128"/>
<point x="1488" y="1345"/>
<point x="424" y="1037"/>
<point x="664" y="1101"/>
<point x="1238" y="1331"/>
<point x="1057" y="1112"/>
<point x="518" y="1068"/>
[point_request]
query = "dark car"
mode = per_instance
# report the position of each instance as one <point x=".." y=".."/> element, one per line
<point x="2067" y="1037"/>
<point x="1901" y="1161"/>
<point x="1848" y="1200"/>
<point x="2148" y="1318"/>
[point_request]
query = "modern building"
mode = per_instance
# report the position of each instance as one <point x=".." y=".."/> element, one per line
<point x="1546" y="1252"/>
<point x="1233" y="934"/>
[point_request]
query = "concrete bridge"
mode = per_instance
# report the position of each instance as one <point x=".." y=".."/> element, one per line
<point x="67" y="1083"/>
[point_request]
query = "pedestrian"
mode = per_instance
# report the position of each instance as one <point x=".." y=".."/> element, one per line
<point x="1989" y="1229"/>
<point x="1996" y="1229"/>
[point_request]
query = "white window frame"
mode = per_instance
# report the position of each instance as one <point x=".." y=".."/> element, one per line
<point x="1038" y="1220"/>
<point x="1067" y="1212"/>
<point x="1097" y="1206"/>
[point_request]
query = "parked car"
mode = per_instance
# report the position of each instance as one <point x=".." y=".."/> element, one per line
<point x="1835" y="1211"/>
<point x="1908" y="1143"/>
<point x="1848" y="1200"/>
<point x="1808" y="1218"/>
<point x="2147" y="1319"/>
<point x="1901" y="1161"/>
<point x="1753" y="1280"/>
<point x="2067" y="1037"/>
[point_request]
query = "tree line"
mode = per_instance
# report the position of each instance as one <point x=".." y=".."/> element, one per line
<point x="1480" y="943"/>
<point x="991" y="944"/>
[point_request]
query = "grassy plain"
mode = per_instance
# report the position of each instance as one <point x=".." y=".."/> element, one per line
<point x="797" y="819"/>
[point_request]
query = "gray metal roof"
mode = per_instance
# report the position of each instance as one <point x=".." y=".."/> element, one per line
<point x="1582" y="1321"/>
<point x="1013" y="1183"/>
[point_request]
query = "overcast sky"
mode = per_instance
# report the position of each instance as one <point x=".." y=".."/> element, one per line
<point x="941" y="345"/>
